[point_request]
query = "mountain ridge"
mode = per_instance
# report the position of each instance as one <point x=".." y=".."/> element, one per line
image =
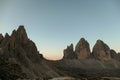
<point x="18" y="50"/>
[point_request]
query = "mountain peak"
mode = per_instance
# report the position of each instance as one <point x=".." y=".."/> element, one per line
<point x="82" y="49"/>
<point x="82" y="39"/>
<point x="71" y="46"/>
<point x="19" y="40"/>
<point x="21" y="30"/>
<point x="69" y="52"/>
<point x="99" y="41"/>
<point x="20" y="34"/>
<point x="21" y="27"/>
<point x="101" y="50"/>
<point x="13" y="33"/>
<point x="1" y="36"/>
<point x="7" y="35"/>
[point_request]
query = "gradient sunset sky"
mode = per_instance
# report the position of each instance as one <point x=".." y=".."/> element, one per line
<point x="54" y="24"/>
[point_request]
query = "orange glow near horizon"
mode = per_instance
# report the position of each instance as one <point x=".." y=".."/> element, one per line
<point x="54" y="56"/>
<point x="51" y="55"/>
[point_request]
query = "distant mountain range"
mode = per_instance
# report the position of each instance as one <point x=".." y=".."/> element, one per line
<point x="20" y="59"/>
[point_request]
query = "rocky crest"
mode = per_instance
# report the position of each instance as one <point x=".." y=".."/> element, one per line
<point x="113" y="53"/>
<point x="69" y="52"/>
<point x="18" y="49"/>
<point x="101" y="51"/>
<point x="19" y="58"/>
<point x="82" y="50"/>
<point x="1" y="38"/>
<point x="19" y="40"/>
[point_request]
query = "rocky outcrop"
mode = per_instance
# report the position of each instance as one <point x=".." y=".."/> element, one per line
<point x="82" y="50"/>
<point x="69" y="52"/>
<point x="5" y="40"/>
<point x="17" y="48"/>
<point x="20" y="35"/>
<point x="1" y="38"/>
<point x="117" y="57"/>
<point x="101" y="51"/>
<point x="113" y="54"/>
<point x="19" y="58"/>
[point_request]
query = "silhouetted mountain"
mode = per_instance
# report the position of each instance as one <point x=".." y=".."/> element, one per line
<point x="69" y="52"/>
<point x="19" y="49"/>
<point x="101" y="51"/>
<point x="19" y="58"/>
<point x="82" y="50"/>
<point x="1" y="38"/>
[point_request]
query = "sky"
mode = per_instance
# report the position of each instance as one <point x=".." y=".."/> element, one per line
<point x="54" y="24"/>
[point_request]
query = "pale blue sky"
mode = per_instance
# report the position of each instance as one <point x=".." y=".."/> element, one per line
<point x="54" y="24"/>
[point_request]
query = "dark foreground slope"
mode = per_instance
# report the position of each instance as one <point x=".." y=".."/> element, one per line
<point x="19" y="58"/>
<point x="21" y="52"/>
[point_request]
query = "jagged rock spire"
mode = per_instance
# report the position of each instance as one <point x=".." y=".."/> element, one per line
<point x="1" y="38"/>
<point x="69" y="52"/>
<point x="7" y="35"/>
<point x="5" y="40"/>
<point x="14" y="33"/>
<point x="19" y="40"/>
<point x="113" y="53"/>
<point x="21" y="30"/>
<point x="21" y="34"/>
<point x="17" y="48"/>
<point x="101" y="51"/>
<point x="82" y="50"/>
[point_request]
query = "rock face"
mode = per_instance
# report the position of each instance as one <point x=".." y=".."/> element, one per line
<point x="19" y="58"/>
<point x="101" y="51"/>
<point x="82" y="50"/>
<point x="113" y="54"/>
<point x="18" y="49"/>
<point x="19" y="40"/>
<point x="20" y="35"/>
<point x="69" y="52"/>
<point x="1" y="38"/>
